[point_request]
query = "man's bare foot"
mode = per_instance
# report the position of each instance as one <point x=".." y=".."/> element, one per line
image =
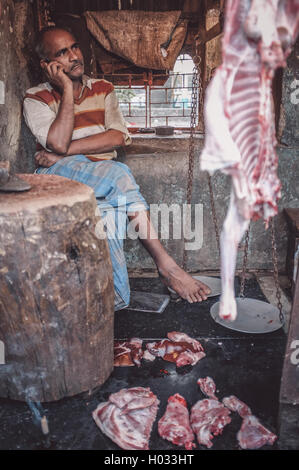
<point x="181" y="282"/>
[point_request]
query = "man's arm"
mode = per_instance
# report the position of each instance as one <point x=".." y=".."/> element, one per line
<point x="98" y="143"/>
<point x="61" y="130"/>
<point x="116" y="133"/>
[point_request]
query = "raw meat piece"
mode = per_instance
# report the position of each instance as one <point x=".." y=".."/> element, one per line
<point x="122" y="354"/>
<point x="240" y="132"/>
<point x="208" y="387"/>
<point x="234" y="404"/>
<point x="177" y="336"/>
<point x="275" y="25"/>
<point x="208" y="418"/>
<point x="148" y="356"/>
<point x="127" y="417"/>
<point x="253" y="435"/>
<point x="128" y="353"/>
<point x="189" y="358"/>
<point x="179" y="348"/>
<point x="132" y="399"/>
<point x="175" y="424"/>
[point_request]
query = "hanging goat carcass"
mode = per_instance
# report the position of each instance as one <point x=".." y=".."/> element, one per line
<point x="240" y="132"/>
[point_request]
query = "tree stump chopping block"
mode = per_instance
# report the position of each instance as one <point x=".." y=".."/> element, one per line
<point x="56" y="291"/>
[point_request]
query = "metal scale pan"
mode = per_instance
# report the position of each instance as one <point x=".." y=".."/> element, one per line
<point x="254" y="316"/>
<point x="214" y="283"/>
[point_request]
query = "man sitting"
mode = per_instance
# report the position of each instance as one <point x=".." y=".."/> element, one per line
<point x="78" y="124"/>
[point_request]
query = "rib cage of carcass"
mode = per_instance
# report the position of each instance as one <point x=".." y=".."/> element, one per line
<point x="239" y="121"/>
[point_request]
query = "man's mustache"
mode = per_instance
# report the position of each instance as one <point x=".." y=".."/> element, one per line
<point x="78" y="62"/>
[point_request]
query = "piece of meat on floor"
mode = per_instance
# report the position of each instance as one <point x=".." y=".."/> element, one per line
<point x="253" y="434"/>
<point x="177" y="336"/>
<point x="148" y="356"/>
<point x="234" y="404"/>
<point x="175" y="423"/>
<point x="178" y="348"/>
<point x="207" y="386"/>
<point x="128" y="416"/>
<point x="208" y="419"/>
<point x="128" y="353"/>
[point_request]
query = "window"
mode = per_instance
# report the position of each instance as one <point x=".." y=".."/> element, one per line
<point x="163" y="100"/>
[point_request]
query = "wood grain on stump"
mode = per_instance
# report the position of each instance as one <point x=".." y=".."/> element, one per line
<point x="56" y="291"/>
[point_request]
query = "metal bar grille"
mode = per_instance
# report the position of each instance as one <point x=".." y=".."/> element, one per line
<point x="145" y="104"/>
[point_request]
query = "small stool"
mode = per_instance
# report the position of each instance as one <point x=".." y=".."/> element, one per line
<point x="56" y="292"/>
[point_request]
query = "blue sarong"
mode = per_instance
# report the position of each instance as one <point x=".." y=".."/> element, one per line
<point x="117" y="195"/>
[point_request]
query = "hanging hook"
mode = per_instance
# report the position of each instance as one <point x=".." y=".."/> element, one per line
<point x="196" y="57"/>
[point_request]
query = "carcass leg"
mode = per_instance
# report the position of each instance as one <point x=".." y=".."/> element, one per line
<point x="234" y="228"/>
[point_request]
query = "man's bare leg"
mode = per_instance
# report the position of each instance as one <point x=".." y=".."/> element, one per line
<point x="171" y="274"/>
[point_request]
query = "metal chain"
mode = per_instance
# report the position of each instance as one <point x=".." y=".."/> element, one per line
<point x="193" y="123"/>
<point x="196" y="93"/>
<point x="275" y="271"/>
<point x="196" y="104"/>
<point x="214" y="212"/>
<point x="212" y="201"/>
<point x="244" y="267"/>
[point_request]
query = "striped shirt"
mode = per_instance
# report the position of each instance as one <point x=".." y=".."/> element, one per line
<point x="96" y="110"/>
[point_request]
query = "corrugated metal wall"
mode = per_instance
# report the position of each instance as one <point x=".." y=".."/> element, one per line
<point x="78" y="7"/>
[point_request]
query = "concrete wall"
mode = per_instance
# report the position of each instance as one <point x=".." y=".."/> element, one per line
<point x="288" y="133"/>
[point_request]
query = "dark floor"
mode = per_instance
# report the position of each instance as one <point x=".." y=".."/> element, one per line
<point x="248" y="366"/>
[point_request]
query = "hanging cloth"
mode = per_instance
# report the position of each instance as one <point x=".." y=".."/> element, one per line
<point x="151" y="40"/>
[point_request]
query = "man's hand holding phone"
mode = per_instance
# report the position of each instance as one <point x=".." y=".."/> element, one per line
<point x="56" y="75"/>
<point x="61" y="129"/>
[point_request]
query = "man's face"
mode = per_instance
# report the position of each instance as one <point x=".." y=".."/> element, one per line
<point x="62" y="47"/>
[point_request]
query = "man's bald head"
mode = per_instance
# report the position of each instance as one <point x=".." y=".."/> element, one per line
<point x="43" y="40"/>
<point x="58" y="46"/>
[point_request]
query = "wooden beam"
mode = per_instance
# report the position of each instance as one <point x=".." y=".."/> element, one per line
<point x="289" y="391"/>
<point x="191" y="6"/>
<point x="205" y="36"/>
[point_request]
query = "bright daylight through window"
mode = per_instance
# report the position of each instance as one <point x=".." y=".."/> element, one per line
<point x="168" y="105"/>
